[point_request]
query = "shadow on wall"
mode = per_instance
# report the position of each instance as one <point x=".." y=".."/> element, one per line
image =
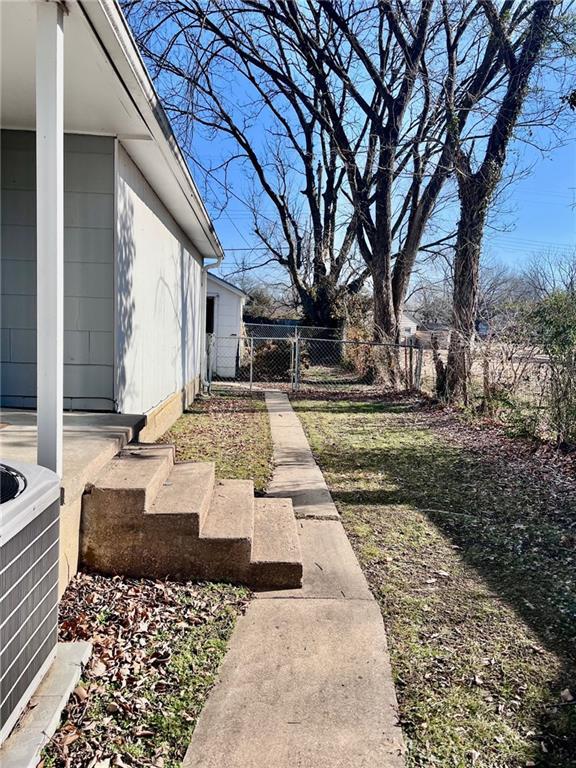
<point x="191" y="293"/>
<point x="157" y="298"/>
<point x="176" y="296"/>
<point x="125" y="306"/>
<point x="184" y="317"/>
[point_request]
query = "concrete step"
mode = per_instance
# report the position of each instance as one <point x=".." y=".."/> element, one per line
<point x="187" y="490"/>
<point x="148" y="517"/>
<point x="226" y="537"/>
<point x="231" y="513"/>
<point x="276" y="561"/>
<point x="137" y="473"/>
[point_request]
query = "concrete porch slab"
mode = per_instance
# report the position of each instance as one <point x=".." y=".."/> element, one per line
<point x="304" y="683"/>
<point x="23" y="747"/>
<point x="90" y="441"/>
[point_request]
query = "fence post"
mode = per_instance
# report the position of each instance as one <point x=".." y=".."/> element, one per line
<point x="406" y="373"/>
<point x="210" y="348"/>
<point x="251" y="361"/>
<point x="297" y="363"/>
<point x="418" y="372"/>
<point x="411" y="358"/>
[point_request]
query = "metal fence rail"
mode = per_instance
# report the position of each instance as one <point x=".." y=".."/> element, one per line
<point x="285" y="331"/>
<point x="518" y="385"/>
<point x="299" y="363"/>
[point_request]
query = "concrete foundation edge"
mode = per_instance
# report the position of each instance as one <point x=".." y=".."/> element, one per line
<point x="161" y="418"/>
<point x="39" y="722"/>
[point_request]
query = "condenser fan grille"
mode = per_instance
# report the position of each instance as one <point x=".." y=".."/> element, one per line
<point x="12" y="483"/>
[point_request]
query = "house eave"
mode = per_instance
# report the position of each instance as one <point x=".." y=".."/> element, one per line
<point x="108" y="92"/>
<point x="227" y="286"/>
<point x="109" y="23"/>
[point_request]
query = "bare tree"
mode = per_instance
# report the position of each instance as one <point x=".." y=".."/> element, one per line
<point x="431" y="297"/>
<point x="363" y="82"/>
<point x="551" y="272"/>
<point x="372" y="105"/>
<point x="499" y="289"/>
<point x="419" y="63"/>
<point x="222" y="66"/>
<point x="520" y="32"/>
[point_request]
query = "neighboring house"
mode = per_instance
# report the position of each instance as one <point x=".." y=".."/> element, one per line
<point x="408" y="327"/>
<point x="434" y="333"/>
<point x="224" y="308"/>
<point x="135" y="240"/>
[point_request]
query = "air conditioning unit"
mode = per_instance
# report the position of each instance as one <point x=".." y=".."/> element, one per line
<point x="29" y="542"/>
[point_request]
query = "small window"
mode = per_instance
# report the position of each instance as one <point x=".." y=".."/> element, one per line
<point x="210" y="301"/>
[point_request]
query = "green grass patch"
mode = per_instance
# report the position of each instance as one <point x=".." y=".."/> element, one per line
<point x="230" y="429"/>
<point x="470" y="552"/>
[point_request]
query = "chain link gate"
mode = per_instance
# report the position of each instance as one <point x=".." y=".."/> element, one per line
<point x="252" y="361"/>
<point x="297" y="364"/>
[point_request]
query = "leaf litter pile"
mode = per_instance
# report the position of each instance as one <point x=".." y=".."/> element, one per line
<point x="157" y="647"/>
<point x="468" y="540"/>
<point x="231" y="429"/>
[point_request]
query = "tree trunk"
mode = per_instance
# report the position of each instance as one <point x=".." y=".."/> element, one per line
<point x="387" y="365"/>
<point x="384" y="315"/>
<point x="477" y="189"/>
<point x="465" y="294"/>
<point x="320" y="303"/>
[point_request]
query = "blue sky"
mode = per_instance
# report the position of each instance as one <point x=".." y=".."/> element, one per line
<point x="537" y="213"/>
<point x="543" y="210"/>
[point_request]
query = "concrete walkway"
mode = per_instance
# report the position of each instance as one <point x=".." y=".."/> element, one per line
<point x="306" y="682"/>
<point x="296" y="474"/>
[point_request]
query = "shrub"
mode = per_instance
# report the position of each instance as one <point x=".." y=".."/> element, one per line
<point x="554" y="325"/>
<point x="521" y="419"/>
<point x="272" y="361"/>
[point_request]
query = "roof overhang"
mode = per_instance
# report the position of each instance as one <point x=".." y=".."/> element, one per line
<point x="225" y="285"/>
<point x="107" y="91"/>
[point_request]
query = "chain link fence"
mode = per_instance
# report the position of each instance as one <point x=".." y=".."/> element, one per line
<point x="495" y="372"/>
<point x="517" y="387"/>
<point x="290" y="331"/>
<point x="299" y="363"/>
<point x="513" y="385"/>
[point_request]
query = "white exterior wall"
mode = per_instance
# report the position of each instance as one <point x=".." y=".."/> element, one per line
<point x="408" y="327"/>
<point x="88" y="271"/>
<point x="227" y="328"/>
<point x="159" y="297"/>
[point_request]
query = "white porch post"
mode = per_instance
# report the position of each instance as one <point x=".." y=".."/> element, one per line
<point x="50" y="231"/>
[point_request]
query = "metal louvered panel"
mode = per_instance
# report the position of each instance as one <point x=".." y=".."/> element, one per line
<point x="28" y="610"/>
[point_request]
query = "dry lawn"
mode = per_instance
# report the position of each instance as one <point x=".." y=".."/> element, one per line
<point x="468" y="540"/>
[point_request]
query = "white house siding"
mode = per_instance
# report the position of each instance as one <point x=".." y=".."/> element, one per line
<point x="158" y="338"/>
<point x="88" y="271"/>
<point x="227" y="328"/>
<point x="408" y="327"/>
